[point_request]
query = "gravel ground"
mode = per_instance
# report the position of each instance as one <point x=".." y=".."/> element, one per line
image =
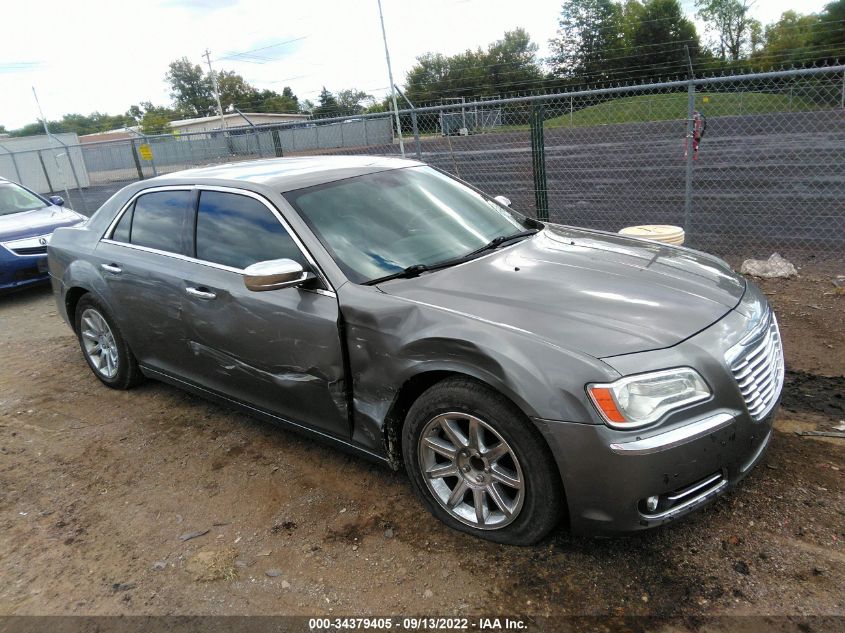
<point x="156" y="502"/>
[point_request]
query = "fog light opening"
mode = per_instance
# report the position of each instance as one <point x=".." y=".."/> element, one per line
<point x="651" y="503"/>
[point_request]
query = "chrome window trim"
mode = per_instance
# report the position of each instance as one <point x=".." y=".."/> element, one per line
<point x="107" y="234"/>
<point x="673" y="438"/>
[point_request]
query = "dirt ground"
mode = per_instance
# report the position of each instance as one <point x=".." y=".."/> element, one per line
<point x="156" y="502"/>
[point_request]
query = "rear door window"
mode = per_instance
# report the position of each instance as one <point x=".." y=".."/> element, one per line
<point x="236" y="230"/>
<point x="158" y="220"/>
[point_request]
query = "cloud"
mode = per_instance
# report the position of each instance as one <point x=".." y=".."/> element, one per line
<point x="198" y="5"/>
<point x="18" y="67"/>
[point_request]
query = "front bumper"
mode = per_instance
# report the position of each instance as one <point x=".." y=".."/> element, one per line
<point x="609" y="474"/>
<point x="18" y="271"/>
<point x="695" y="454"/>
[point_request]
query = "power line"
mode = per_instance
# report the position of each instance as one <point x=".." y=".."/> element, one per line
<point x="230" y="55"/>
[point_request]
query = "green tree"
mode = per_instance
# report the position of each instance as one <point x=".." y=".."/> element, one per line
<point x="235" y="92"/>
<point x="153" y="119"/>
<point x="658" y="40"/>
<point x="349" y="102"/>
<point x="191" y="91"/>
<point x="829" y="33"/>
<point x="135" y="113"/>
<point x="327" y="104"/>
<point x="385" y="105"/>
<point x="507" y="65"/>
<point x="428" y="78"/>
<point x="512" y="63"/>
<point x="788" y="40"/>
<point x="588" y="31"/>
<point x="732" y="25"/>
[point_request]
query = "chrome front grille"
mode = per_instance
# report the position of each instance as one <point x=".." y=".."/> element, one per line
<point x="757" y="365"/>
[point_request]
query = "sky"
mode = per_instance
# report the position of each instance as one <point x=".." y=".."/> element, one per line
<point x="96" y="56"/>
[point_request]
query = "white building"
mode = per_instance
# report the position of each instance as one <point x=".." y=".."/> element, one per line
<point x="213" y="123"/>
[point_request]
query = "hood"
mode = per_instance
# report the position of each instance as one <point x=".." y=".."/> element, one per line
<point x="38" y="222"/>
<point x="592" y="292"/>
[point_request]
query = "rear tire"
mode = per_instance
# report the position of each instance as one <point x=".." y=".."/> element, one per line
<point x="103" y="346"/>
<point x="479" y="465"/>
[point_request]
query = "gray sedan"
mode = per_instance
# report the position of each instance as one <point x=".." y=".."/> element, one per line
<point x="521" y="372"/>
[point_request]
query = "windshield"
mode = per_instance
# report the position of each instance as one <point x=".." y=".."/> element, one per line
<point x="14" y="199"/>
<point x="380" y="224"/>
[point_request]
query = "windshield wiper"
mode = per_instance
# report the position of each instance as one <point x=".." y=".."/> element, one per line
<point x="418" y="269"/>
<point x="410" y="271"/>
<point x="496" y="242"/>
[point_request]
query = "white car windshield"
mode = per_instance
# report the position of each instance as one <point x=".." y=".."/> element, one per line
<point x="15" y="199"/>
<point x="380" y="224"/>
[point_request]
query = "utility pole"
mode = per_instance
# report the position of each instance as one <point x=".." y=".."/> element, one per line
<point x="207" y="56"/>
<point x="390" y="76"/>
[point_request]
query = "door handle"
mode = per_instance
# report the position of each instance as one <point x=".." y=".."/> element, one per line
<point x="201" y="293"/>
<point x="111" y="268"/>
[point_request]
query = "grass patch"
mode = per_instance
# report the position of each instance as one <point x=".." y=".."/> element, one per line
<point x="667" y="107"/>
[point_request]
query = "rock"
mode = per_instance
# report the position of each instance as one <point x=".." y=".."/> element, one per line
<point x="159" y="565"/>
<point x="354" y="548"/>
<point x="741" y="567"/>
<point x="241" y="563"/>
<point x="285" y="584"/>
<point x="190" y="535"/>
<point x="428" y="594"/>
<point x="264" y="552"/>
<point x="388" y="533"/>
<point x="776" y="267"/>
<point x="273" y="573"/>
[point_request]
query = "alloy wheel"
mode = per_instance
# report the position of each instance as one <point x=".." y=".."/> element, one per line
<point x="471" y="470"/>
<point x="99" y="344"/>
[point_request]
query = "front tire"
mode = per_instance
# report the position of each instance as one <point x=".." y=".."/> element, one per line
<point x="478" y="464"/>
<point x="103" y="346"/>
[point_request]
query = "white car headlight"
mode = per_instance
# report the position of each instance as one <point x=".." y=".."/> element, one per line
<point x="635" y="401"/>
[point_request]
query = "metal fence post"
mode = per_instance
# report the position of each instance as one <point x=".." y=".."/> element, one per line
<point x="277" y="144"/>
<point x="416" y="130"/>
<point x="842" y="98"/>
<point x="46" y="175"/>
<point x="690" y="152"/>
<point x="538" y="163"/>
<point x="137" y="159"/>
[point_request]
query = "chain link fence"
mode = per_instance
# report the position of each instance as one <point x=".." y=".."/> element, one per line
<point x="746" y="165"/>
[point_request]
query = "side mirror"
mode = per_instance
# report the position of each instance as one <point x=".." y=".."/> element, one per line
<point x="503" y="200"/>
<point x="274" y="274"/>
<point x="56" y="200"/>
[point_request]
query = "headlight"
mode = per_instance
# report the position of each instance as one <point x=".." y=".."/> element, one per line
<point x="635" y="401"/>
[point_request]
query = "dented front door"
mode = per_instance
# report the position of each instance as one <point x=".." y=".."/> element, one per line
<point x="278" y="351"/>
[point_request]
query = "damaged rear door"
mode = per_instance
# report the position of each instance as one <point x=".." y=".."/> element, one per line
<point x="278" y="350"/>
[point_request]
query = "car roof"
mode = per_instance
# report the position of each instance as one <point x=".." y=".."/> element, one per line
<point x="286" y="174"/>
